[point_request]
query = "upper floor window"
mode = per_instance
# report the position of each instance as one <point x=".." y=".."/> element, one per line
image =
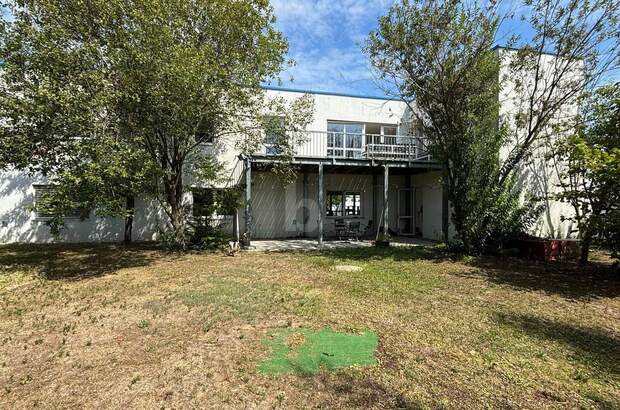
<point x="381" y="134"/>
<point x="275" y="135"/>
<point x="344" y="139"/>
<point x="206" y="131"/>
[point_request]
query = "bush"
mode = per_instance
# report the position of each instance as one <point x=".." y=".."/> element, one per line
<point x="206" y="236"/>
<point x="199" y="234"/>
<point x="492" y="215"/>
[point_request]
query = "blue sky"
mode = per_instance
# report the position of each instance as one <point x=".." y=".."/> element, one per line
<point x="325" y="39"/>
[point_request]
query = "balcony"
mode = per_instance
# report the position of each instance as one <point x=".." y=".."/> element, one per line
<point x="353" y="146"/>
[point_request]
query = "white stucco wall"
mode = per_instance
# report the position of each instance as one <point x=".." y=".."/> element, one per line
<point x="429" y="186"/>
<point x="347" y="108"/>
<point x="18" y="221"/>
<point x="539" y="175"/>
<point x="277" y="209"/>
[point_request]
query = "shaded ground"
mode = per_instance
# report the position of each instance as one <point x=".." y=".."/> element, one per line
<point x="116" y="327"/>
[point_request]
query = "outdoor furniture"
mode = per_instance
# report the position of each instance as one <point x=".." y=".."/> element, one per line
<point x="347" y="229"/>
<point x="369" y="230"/>
<point x="353" y="230"/>
<point x="340" y="227"/>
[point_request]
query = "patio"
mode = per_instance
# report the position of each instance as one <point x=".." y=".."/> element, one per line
<point x="277" y="245"/>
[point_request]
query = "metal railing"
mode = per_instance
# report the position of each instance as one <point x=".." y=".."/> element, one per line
<point x="324" y="144"/>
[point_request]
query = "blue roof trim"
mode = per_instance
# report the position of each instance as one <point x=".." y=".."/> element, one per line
<point x="296" y="90"/>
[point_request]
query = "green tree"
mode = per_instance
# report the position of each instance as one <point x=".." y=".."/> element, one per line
<point x="591" y="182"/>
<point x="572" y="46"/>
<point x="437" y="57"/>
<point x="104" y="177"/>
<point x="157" y="79"/>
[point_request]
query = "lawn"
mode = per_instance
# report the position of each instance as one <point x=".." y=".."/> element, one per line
<point x="116" y="327"/>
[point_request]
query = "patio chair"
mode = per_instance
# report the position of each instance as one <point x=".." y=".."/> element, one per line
<point x="340" y="228"/>
<point x="354" y="230"/>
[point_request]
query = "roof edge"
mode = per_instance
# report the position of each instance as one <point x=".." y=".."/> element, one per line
<point x="305" y="91"/>
<point x="498" y="47"/>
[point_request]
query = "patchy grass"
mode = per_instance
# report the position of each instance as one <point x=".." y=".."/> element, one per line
<point x="117" y="327"/>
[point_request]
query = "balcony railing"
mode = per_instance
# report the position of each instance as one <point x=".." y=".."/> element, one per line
<point x="323" y="144"/>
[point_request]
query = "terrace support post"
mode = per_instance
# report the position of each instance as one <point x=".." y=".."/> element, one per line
<point x="386" y="223"/>
<point x="236" y="227"/>
<point x="374" y="203"/>
<point x="444" y="207"/>
<point x="321" y="205"/>
<point x="248" y="204"/>
<point x="304" y="204"/>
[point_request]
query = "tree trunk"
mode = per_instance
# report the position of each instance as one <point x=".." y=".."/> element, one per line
<point x="130" y="204"/>
<point x="459" y="225"/>
<point x="586" y="241"/>
<point x="178" y="225"/>
<point x="174" y="190"/>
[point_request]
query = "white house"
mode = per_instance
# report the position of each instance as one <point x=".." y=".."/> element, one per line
<point x="360" y="167"/>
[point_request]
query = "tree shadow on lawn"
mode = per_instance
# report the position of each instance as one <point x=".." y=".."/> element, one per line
<point x="396" y="253"/>
<point x="73" y="262"/>
<point x="566" y="279"/>
<point x="357" y="392"/>
<point x="597" y="348"/>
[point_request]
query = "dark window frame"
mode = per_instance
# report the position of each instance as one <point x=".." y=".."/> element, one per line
<point x="208" y="194"/>
<point x="343" y="211"/>
<point x="206" y="132"/>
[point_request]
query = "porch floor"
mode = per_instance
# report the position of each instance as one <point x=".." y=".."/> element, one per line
<point x="308" y="244"/>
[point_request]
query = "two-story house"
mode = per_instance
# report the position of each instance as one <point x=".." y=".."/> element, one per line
<point x="359" y="165"/>
<point x="360" y="169"/>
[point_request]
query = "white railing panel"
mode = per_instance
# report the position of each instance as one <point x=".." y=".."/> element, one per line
<point x="323" y="144"/>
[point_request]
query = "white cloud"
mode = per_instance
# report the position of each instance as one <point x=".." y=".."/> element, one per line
<point x="340" y="70"/>
<point x="327" y="19"/>
<point x="325" y="38"/>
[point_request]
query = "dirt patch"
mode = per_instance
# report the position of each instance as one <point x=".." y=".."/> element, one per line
<point x="295" y="340"/>
<point x="348" y="268"/>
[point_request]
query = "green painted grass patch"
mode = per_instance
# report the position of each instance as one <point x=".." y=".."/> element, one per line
<point x="307" y="351"/>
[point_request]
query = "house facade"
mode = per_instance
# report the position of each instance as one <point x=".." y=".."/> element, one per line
<point x="358" y="163"/>
<point x="359" y="168"/>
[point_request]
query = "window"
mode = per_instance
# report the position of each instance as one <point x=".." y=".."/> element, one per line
<point x="389" y="134"/>
<point x="208" y="202"/>
<point x="344" y="139"/>
<point x="275" y="135"/>
<point x="203" y="202"/>
<point x="40" y="193"/>
<point x="343" y="203"/>
<point x="389" y="130"/>
<point x="206" y="131"/>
